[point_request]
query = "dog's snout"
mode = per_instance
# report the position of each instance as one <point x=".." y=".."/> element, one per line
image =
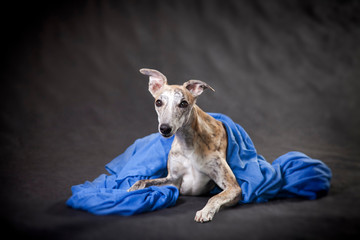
<point x="165" y="129"/>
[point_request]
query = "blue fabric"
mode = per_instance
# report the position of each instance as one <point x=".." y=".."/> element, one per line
<point x="291" y="175"/>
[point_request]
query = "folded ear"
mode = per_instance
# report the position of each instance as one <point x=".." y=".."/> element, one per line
<point x="156" y="80"/>
<point x="196" y="87"/>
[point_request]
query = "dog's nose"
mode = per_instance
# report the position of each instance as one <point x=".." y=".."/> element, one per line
<point x="165" y="129"/>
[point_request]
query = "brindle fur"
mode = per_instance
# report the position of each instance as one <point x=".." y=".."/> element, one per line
<point x="197" y="159"/>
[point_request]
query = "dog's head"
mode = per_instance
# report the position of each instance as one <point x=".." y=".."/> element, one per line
<point x="173" y="103"/>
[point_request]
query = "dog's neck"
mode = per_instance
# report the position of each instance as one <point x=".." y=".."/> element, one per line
<point x="198" y="125"/>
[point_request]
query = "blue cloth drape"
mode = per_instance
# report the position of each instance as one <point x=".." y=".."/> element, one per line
<point x="291" y="175"/>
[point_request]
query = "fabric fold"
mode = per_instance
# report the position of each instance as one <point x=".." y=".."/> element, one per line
<point x="291" y="175"/>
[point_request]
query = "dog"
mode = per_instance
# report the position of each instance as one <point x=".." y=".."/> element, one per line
<point x="197" y="159"/>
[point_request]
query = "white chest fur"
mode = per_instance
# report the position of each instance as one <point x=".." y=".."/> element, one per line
<point x="187" y="166"/>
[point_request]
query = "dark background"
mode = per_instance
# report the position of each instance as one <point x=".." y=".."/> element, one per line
<point x="72" y="99"/>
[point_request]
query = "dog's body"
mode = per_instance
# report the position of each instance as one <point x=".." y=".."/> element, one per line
<point x="197" y="159"/>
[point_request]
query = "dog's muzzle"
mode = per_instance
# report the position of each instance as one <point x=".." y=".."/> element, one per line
<point x="165" y="130"/>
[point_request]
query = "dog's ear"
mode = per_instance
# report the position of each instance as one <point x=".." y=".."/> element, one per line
<point x="196" y="87"/>
<point x="156" y="80"/>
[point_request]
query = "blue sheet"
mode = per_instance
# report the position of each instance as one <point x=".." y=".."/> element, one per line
<point x="291" y="175"/>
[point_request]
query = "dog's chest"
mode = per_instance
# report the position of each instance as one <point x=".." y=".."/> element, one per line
<point x="187" y="166"/>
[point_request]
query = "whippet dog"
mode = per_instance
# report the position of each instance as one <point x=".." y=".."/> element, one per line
<point x="197" y="159"/>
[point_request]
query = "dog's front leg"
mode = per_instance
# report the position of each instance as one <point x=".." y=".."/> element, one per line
<point x="222" y="175"/>
<point x="227" y="198"/>
<point x="151" y="182"/>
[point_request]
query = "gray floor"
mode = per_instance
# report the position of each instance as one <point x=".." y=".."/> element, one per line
<point x="72" y="99"/>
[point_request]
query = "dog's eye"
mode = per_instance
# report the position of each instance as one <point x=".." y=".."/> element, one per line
<point x="183" y="104"/>
<point x="158" y="103"/>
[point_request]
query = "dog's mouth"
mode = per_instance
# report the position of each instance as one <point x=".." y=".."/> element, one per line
<point x="167" y="135"/>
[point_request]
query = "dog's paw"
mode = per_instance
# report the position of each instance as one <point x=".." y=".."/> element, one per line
<point x="137" y="186"/>
<point x="204" y="215"/>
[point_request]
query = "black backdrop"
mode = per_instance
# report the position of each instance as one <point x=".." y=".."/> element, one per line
<point x="72" y="99"/>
